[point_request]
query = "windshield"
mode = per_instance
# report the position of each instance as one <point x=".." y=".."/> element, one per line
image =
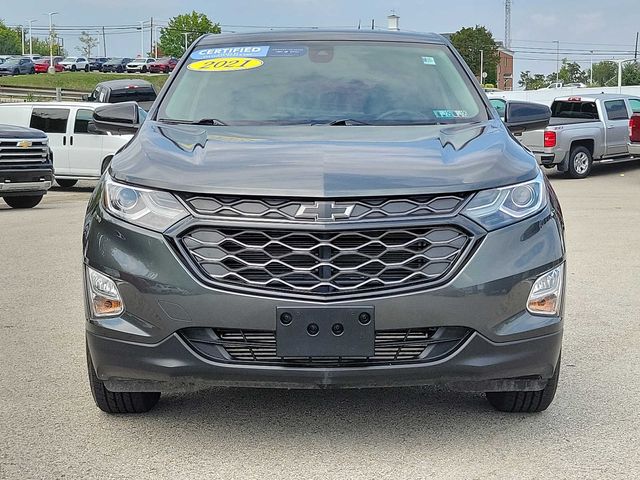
<point x="140" y="60"/>
<point x="70" y="59"/>
<point x="371" y="83"/>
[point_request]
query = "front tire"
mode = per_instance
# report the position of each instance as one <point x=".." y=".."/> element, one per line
<point x="86" y="68"/>
<point x="28" y="201"/>
<point x="580" y="162"/>
<point x="66" y="183"/>
<point x="144" y="70"/>
<point x="118" y="402"/>
<point x="526" y="402"/>
<point x="73" y="68"/>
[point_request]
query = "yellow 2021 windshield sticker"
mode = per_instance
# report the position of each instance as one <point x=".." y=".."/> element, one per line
<point x="225" y="64"/>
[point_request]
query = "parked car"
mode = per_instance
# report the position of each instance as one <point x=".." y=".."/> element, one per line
<point x="26" y="166"/>
<point x="381" y="228"/>
<point x="42" y="65"/>
<point x="75" y="63"/>
<point x="634" y="134"/>
<point x="95" y="63"/>
<point x="583" y="129"/>
<point x="79" y="151"/>
<point x="118" y="65"/>
<point x="17" y="66"/>
<point x="126" y="90"/>
<point x="139" y="65"/>
<point x="163" y="65"/>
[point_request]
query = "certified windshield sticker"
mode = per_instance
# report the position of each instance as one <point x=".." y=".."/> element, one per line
<point x="231" y="52"/>
<point x="451" y="113"/>
<point x="287" y="51"/>
<point x="225" y="64"/>
<point x="428" y="60"/>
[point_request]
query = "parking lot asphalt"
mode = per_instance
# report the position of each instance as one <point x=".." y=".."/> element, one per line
<point x="50" y="428"/>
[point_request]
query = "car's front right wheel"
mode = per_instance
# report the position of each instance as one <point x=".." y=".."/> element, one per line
<point x="118" y="402"/>
<point x="526" y="401"/>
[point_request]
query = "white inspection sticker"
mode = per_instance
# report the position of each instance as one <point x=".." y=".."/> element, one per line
<point x="428" y="60"/>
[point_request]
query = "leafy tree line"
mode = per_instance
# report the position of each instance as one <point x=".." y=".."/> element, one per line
<point x="11" y="42"/>
<point x="605" y="74"/>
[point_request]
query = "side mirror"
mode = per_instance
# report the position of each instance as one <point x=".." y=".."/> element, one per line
<point x="522" y="116"/>
<point x="118" y="118"/>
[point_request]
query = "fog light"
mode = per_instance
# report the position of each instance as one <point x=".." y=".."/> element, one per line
<point x="104" y="297"/>
<point x="546" y="293"/>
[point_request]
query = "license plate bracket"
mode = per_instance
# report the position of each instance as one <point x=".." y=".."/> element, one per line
<point x="341" y="331"/>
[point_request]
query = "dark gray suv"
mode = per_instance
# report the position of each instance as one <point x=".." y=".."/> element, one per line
<point x="323" y="210"/>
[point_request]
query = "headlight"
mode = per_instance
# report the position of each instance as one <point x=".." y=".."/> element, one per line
<point x="151" y="209"/>
<point x="545" y="297"/>
<point x="502" y="206"/>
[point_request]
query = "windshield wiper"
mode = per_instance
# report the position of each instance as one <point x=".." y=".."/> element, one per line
<point x="344" y="122"/>
<point x="202" y="121"/>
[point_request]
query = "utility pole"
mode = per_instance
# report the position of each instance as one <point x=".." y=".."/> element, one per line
<point x="186" y="34"/>
<point x="157" y="39"/>
<point x="507" y="23"/>
<point x="22" y="27"/>
<point x="373" y="24"/>
<point x="141" y="38"/>
<point x="591" y="71"/>
<point x="635" y="57"/>
<point x="557" y="42"/>
<point x="481" y="67"/>
<point x="104" y="44"/>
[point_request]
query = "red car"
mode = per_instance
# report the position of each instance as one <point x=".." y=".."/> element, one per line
<point x="163" y="65"/>
<point x="42" y="65"/>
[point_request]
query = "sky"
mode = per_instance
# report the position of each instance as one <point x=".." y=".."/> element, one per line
<point x="606" y="27"/>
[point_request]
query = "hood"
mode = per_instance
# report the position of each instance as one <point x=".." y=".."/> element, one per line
<point x="15" y="132"/>
<point x="324" y="161"/>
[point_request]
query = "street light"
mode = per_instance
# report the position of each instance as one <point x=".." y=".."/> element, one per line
<point x="158" y="33"/>
<point x="557" y="42"/>
<point x="620" y="62"/>
<point x="186" y="45"/>
<point x="51" y="68"/>
<point x="31" y="37"/>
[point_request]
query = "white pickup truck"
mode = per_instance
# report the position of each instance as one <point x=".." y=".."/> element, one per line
<point x="583" y="129"/>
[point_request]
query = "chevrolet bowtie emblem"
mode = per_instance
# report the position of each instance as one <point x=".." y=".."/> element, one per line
<point x="24" y="144"/>
<point x="325" y="211"/>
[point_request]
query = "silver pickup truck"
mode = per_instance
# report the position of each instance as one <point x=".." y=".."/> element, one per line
<point x="583" y="129"/>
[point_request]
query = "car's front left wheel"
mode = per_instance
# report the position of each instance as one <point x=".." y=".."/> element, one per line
<point x="118" y="402"/>
<point x="526" y="401"/>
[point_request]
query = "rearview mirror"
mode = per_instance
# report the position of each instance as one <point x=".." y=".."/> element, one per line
<point x="522" y="116"/>
<point x="117" y="118"/>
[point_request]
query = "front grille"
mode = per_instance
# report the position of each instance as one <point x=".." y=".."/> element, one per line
<point x="361" y="209"/>
<point x="391" y="346"/>
<point x="23" y="151"/>
<point x="325" y="263"/>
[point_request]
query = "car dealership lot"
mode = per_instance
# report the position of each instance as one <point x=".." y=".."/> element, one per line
<point x="50" y="427"/>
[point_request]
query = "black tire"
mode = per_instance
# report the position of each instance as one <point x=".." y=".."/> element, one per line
<point x="166" y="69"/>
<point x="144" y="69"/>
<point x="118" y="402"/>
<point x="32" y="71"/>
<point x="105" y="165"/>
<point x="86" y="68"/>
<point x="73" y="68"/>
<point x="16" y="72"/>
<point x="66" y="183"/>
<point x="580" y="162"/>
<point x="28" y="201"/>
<point x="526" y="402"/>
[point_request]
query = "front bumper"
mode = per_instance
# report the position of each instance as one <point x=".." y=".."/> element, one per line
<point x="509" y="348"/>
<point x="25" y="181"/>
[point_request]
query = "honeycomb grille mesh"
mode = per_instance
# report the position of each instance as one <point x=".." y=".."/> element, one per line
<point x="325" y="263"/>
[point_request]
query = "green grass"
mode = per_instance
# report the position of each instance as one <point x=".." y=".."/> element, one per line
<point x="81" y="81"/>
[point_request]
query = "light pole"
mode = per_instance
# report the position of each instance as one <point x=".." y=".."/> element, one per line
<point x="591" y="71"/>
<point x="31" y="37"/>
<point x="481" y="67"/>
<point x="52" y="68"/>
<point x="186" y="45"/>
<point x="142" y="38"/>
<point x="158" y="32"/>
<point x="22" y="27"/>
<point x="620" y="62"/>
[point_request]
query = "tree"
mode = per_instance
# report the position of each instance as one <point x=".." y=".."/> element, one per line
<point x="631" y="74"/>
<point x="571" y="72"/>
<point x="10" y="42"/>
<point x="469" y="42"/>
<point x="605" y="72"/>
<point x="194" y="24"/>
<point x="532" y="82"/>
<point x="88" y="43"/>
